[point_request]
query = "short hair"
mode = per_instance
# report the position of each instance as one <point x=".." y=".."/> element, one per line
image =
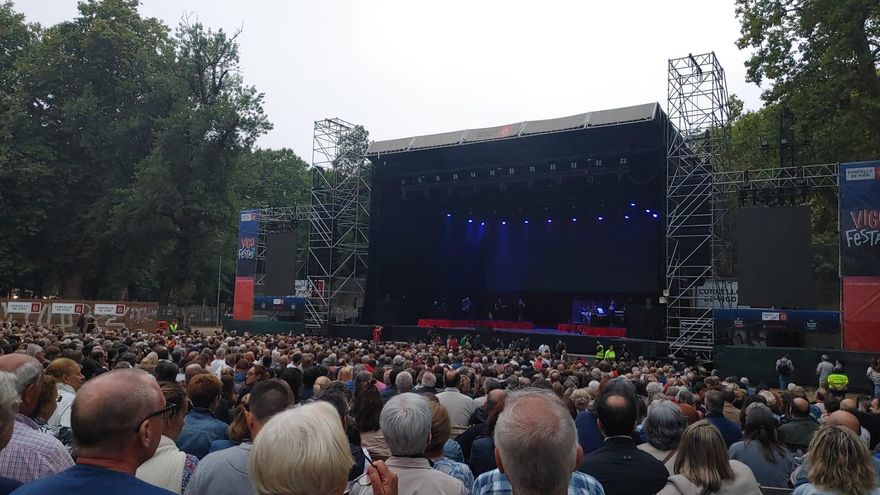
<point x="101" y="420"/>
<point x="429" y="379"/>
<point x="714" y="401"/>
<point x="203" y="389"/>
<point x="173" y="395"/>
<point x="26" y="375"/>
<point x="269" y="398"/>
<point x="403" y="382"/>
<point x="9" y="398"/>
<point x="166" y="371"/>
<point x="664" y="425"/>
<point x="451" y="378"/>
<point x="337" y="399"/>
<point x="616" y="419"/>
<point x="536" y="439"/>
<point x="60" y="367"/>
<point x="302" y="450"/>
<point x="406" y="424"/>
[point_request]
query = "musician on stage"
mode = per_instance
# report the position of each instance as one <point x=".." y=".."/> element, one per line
<point x="520" y="309"/>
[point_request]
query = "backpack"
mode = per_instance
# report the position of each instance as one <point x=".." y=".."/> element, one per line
<point x="783" y="368"/>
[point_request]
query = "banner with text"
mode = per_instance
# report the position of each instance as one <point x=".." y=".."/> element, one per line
<point x="246" y="264"/>
<point x="860" y="219"/>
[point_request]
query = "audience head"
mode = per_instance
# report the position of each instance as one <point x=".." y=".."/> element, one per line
<point x="406" y="424"/>
<point x="664" y="425"/>
<point x="702" y="457"/>
<point x="28" y="379"/>
<point x="451" y="378"/>
<point x="9" y="402"/>
<point x="440" y="429"/>
<point x="268" y="398"/>
<point x="800" y="408"/>
<point x="66" y="371"/>
<point x="714" y="402"/>
<point x="304" y="451"/>
<point x="839" y="461"/>
<point x="761" y="427"/>
<point x="844" y="419"/>
<point x="174" y="418"/>
<point x="536" y="442"/>
<point x="204" y="390"/>
<point x="403" y="382"/>
<point x="118" y="416"/>
<point x="617" y="414"/>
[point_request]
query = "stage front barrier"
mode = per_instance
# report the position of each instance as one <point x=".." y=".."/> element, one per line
<point x="591" y="330"/>
<point x="494" y="324"/>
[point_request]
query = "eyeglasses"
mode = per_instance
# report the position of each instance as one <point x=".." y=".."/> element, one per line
<point x="166" y="412"/>
<point x="362" y="480"/>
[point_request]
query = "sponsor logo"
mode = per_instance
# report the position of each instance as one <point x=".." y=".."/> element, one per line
<point x="110" y="309"/>
<point x="811" y="324"/>
<point x="767" y="316"/>
<point x="738" y="323"/>
<point x="861" y="173"/>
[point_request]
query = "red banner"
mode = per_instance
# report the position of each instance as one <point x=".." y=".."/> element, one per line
<point x="861" y="313"/>
<point x="243" y="309"/>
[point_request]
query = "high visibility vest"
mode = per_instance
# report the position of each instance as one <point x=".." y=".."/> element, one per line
<point x="610" y="354"/>
<point x="600" y="352"/>
<point x="838" y="381"/>
<point x="173" y="327"/>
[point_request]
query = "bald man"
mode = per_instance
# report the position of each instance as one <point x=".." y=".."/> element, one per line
<point x="870" y="424"/>
<point x="117" y="424"/>
<point x="798" y="432"/>
<point x="30" y="454"/>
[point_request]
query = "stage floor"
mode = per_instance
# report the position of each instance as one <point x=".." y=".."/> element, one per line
<point x="524" y="326"/>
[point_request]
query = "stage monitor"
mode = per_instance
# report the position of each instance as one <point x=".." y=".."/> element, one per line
<point x="280" y="264"/>
<point x="774" y="259"/>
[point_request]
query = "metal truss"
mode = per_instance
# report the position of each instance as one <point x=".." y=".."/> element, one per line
<point x="339" y="224"/>
<point x="696" y="144"/>
<point x="810" y="176"/>
<point x="280" y="219"/>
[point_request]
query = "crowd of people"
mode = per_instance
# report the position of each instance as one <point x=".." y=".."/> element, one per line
<point x="119" y="411"/>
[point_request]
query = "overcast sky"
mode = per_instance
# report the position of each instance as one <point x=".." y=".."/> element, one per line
<point x="409" y="67"/>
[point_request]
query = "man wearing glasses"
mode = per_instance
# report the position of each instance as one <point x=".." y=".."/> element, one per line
<point x="117" y="424"/>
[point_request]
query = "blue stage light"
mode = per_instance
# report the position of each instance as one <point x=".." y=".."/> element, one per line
<point x="525" y="221"/>
<point x="504" y="222"/>
<point x="600" y="218"/>
<point x="632" y="205"/>
<point x="549" y="220"/>
<point x="647" y="211"/>
<point x="655" y="215"/>
<point x="448" y="215"/>
<point x="470" y="220"/>
<point x="626" y="217"/>
<point x="574" y="220"/>
<point x="482" y="224"/>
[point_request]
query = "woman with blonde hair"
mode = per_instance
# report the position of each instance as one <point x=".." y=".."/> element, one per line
<point x="839" y="465"/>
<point x="702" y="466"/>
<point x="68" y="378"/>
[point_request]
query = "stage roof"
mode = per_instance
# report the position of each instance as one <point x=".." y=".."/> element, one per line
<point x="602" y="118"/>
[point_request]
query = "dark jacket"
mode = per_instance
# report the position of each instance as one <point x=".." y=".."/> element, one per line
<point x="623" y="469"/>
<point x="590" y="437"/>
<point x="200" y="428"/>
<point x="482" y="456"/>
<point x="728" y="429"/>
<point x="797" y="433"/>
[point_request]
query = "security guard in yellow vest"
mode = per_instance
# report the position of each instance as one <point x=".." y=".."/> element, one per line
<point x="600" y="351"/>
<point x="173" y="327"/>
<point x="610" y="355"/>
<point x="837" y="380"/>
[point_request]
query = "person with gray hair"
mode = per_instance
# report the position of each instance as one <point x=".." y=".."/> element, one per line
<point x="9" y="402"/>
<point x="536" y="449"/>
<point x="117" y="424"/>
<point x="406" y="423"/>
<point x="403" y="382"/>
<point x="664" y="427"/>
<point x="30" y="454"/>
<point x="428" y="383"/>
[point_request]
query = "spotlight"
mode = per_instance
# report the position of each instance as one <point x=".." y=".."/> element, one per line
<point x="449" y="215"/>
<point x="470" y="220"/>
<point x="647" y="211"/>
<point x="626" y="217"/>
<point x="549" y="220"/>
<point x="574" y="220"/>
<point x="632" y="205"/>
<point x="655" y="215"/>
<point x="504" y="222"/>
<point x="482" y="224"/>
<point x="600" y="218"/>
<point x="525" y="221"/>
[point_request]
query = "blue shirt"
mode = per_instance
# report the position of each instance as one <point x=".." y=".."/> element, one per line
<point x="457" y="470"/>
<point x="87" y="480"/>
<point x="590" y="437"/>
<point x="495" y="483"/>
<point x="200" y="428"/>
<point x="452" y="450"/>
<point x="729" y="431"/>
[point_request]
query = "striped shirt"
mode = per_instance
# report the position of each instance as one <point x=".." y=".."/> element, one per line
<point x="31" y="454"/>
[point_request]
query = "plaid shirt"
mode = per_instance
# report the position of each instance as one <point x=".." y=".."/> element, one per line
<point x="495" y="483"/>
<point x="31" y="454"/>
<point x="457" y="470"/>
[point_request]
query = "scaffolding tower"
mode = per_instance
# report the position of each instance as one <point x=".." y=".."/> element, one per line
<point x="696" y="146"/>
<point x="338" y="225"/>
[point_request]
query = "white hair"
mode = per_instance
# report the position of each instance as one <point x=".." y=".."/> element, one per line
<point x="406" y="424"/>
<point x="403" y="382"/>
<point x="429" y="379"/>
<point x="593" y="385"/>
<point x="301" y="451"/>
<point x="27" y="374"/>
<point x="33" y="350"/>
<point x="9" y="398"/>
<point x="537" y="442"/>
<point x="653" y="388"/>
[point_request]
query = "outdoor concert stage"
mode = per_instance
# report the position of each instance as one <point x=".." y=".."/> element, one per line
<point x="557" y="212"/>
<point x="525" y="326"/>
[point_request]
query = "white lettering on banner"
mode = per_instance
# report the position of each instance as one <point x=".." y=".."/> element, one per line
<point x="860" y="173"/>
<point x="863" y="237"/>
<point x="65" y="308"/>
<point x="109" y="309"/>
<point x="22" y="307"/>
<point x="718" y="294"/>
<point x="765" y="316"/>
<point x="247" y="217"/>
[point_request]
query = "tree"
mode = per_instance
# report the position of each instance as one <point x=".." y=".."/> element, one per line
<point x="273" y="178"/>
<point x="184" y="191"/>
<point x="820" y="60"/>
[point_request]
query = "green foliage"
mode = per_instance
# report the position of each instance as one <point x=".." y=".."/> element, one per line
<point x="126" y="153"/>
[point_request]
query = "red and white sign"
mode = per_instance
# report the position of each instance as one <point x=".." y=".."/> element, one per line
<point x="110" y="309"/>
<point x="23" y="307"/>
<point x="67" y="309"/>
